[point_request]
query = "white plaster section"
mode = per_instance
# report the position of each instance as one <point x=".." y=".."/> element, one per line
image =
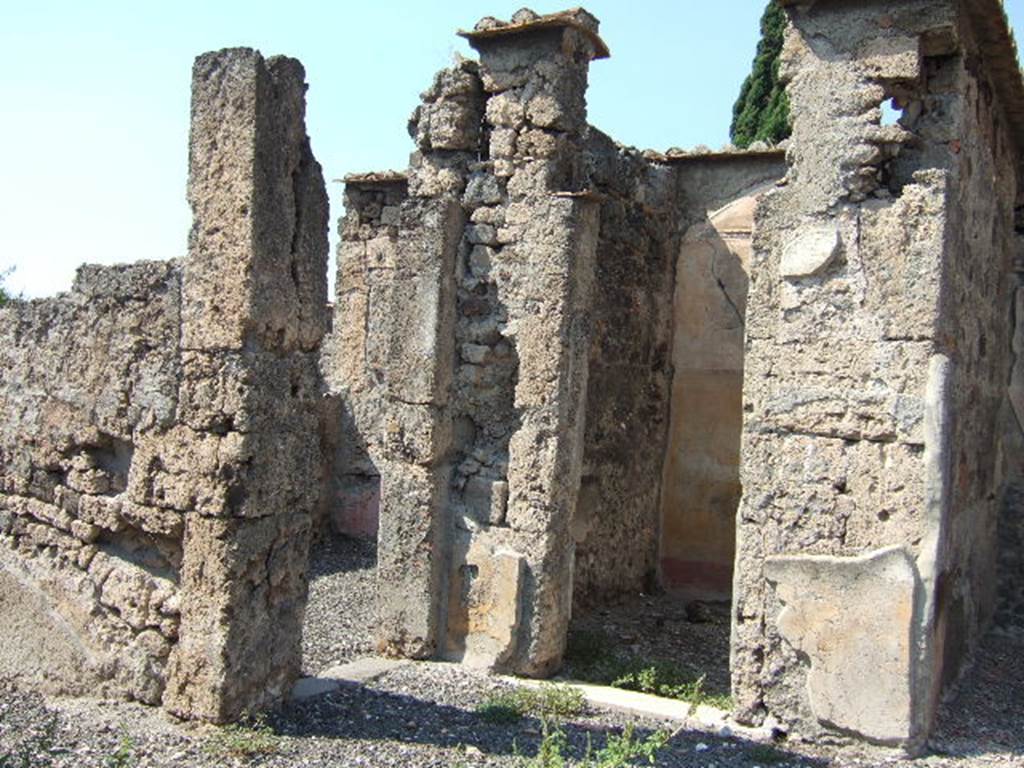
<point x="852" y="618"/>
<point x="927" y="680"/>
<point x="810" y="252"/>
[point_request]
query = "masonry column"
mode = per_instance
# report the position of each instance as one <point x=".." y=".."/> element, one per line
<point x="410" y="349"/>
<point x="253" y="315"/>
<point x="524" y="287"/>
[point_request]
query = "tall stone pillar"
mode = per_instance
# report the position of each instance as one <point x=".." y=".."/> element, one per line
<point x="877" y="355"/>
<point x="253" y="315"/>
<point x="464" y="309"/>
<point x="524" y="287"/>
<point x="410" y="349"/>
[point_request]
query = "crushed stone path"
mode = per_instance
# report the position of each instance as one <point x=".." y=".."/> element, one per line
<point x="425" y="714"/>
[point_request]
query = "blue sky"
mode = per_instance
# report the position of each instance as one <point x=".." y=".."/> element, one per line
<point x="96" y="100"/>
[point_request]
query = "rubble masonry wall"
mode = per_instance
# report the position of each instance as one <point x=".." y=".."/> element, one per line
<point x="91" y="539"/>
<point x="160" y="450"/>
<point x="615" y="524"/>
<point x="867" y="379"/>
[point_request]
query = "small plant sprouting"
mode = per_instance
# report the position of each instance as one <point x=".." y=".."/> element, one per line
<point x="248" y="738"/>
<point x="590" y="657"/>
<point x="501" y="708"/>
<point x="547" y="702"/>
<point x="123" y="756"/>
<point x="618" y="751"/>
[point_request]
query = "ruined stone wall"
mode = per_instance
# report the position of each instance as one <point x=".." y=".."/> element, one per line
<point x="977" y="297"/>
<point x="856" y="388"/>
<point x="650" y="325"/>
<point x="90" y="547"/>
<point x="353" y="354"/>
<point x="253" y="316"/>
<point x="413" y="318"/>
<point x="1009" y="612"/>
<point x="464" y="319"/>
<point x="615" y="525"/>
<point x="523" y="283"/>
<point x="160" y="452"/>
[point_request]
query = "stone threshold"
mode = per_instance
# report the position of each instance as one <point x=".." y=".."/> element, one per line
<point x="700" y="717"/>
<point x="358" y="672"/>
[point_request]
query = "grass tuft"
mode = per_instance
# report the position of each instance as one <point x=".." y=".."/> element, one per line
<point x="248" y="738"/>
<point x="591" y="658"/>
<point x="547" y="702"/>
<point x="619" y="751"/>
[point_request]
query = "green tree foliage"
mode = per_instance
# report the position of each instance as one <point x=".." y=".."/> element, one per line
<point x="762" y="111"/>
<point x="5" y="295"/>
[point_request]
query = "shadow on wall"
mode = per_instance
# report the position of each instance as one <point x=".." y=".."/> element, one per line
<point x="350" y="504"/>
<point x="701" y="482"/>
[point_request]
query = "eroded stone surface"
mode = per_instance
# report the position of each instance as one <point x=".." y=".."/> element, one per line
<point x="851" y="442"/>
<point x="531" y="384"/>
<point x="485" y="603"/>
<point x="158" y="416"/>
<point x="810" y="252"/>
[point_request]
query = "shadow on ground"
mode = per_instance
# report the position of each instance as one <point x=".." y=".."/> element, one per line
<point x="358" y="713"/>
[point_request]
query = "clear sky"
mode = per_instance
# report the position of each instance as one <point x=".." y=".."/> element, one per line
<point x="94" y="128"/>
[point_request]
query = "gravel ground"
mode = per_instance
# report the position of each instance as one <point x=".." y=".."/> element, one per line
<point x="1009" y="618"/>
<point x="340" y="613"/>
<point x="425" y="714"/>
<point x="663" y="628"/>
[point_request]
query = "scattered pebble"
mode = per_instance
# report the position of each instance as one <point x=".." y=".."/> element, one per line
<point x="424" y="715"/>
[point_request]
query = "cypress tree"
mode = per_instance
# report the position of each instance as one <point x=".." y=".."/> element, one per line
<point x="761" y="112"/>
<point x="5" y="294"/>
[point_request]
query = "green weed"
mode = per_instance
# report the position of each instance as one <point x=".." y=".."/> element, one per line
<point x="123" y="756"/>
<point x="589" y="656"/>
<point x="547" y="702"/>
<point x="250" y="737"/>
<point x="618" y="751"/>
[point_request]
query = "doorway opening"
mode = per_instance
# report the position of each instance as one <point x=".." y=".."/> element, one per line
<point x="341" y="611"/>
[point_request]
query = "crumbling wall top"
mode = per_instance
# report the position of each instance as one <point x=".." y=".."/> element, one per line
<point x="677" y="156"/>
<point x="996" y="50"/>
<point x="374" y="179"/>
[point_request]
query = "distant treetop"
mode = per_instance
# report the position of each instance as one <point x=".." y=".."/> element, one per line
<point x="761" y="112"/>
<point x="5" y="294"/>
